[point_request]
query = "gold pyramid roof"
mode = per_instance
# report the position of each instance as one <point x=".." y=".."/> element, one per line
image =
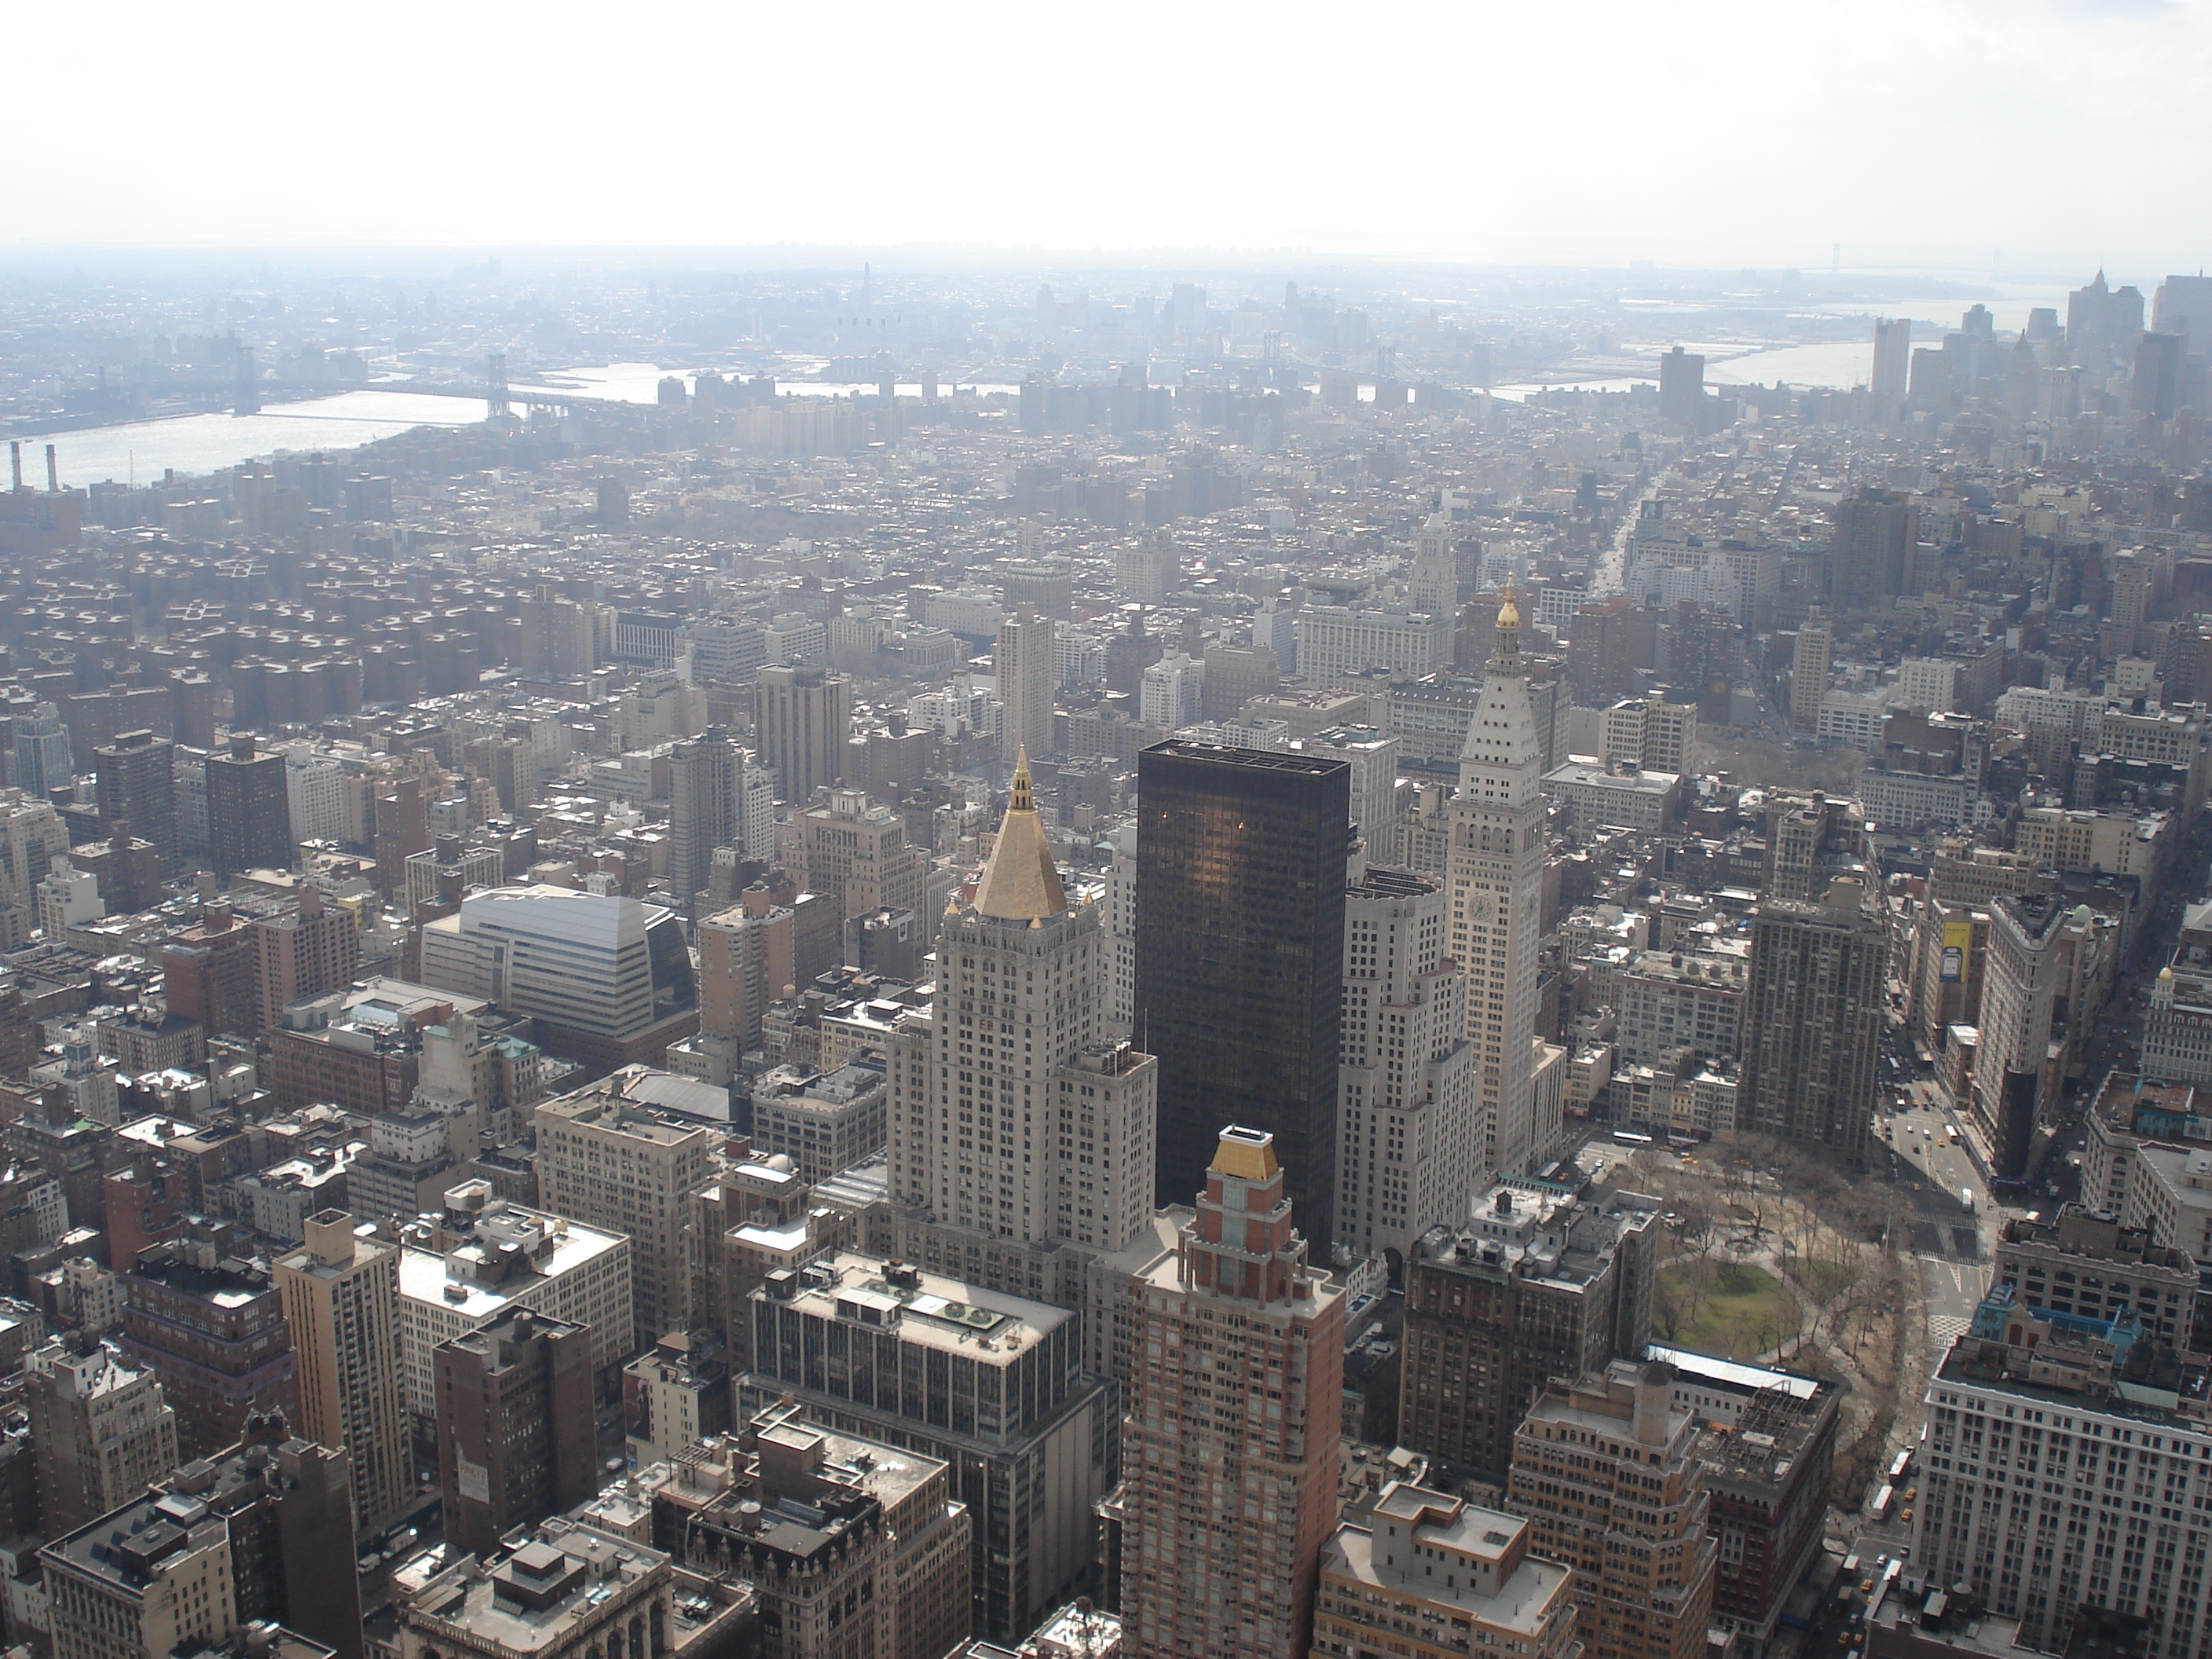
<point x="1020" y="882"/>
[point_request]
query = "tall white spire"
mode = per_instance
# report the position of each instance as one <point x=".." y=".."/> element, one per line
<point x="1501" y="747"/>
<point x="1495" y="873"/>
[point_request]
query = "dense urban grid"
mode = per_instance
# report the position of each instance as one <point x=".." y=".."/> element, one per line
<point x="881" y="966"/>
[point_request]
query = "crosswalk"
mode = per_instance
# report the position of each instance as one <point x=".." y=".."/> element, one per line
<point x="1943" y="1329"/>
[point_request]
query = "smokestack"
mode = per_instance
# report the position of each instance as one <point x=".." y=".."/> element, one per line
<point x="15" y="459"/>
<point x="53" y="477"/>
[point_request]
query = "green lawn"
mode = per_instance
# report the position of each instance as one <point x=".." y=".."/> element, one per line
<point x="1725" y="1308"/>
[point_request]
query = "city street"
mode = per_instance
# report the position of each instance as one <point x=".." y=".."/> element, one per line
<point x="1953" y="1247"/>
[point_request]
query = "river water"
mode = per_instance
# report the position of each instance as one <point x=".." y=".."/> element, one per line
<point x="189" y="444"/>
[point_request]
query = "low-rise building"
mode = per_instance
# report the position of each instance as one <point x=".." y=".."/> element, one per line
<point x="822" y="1122"/>
<point x="571" y="1591"/>
<point x="2065" y="1457"/>
<point x="675" y="1395"/>
<point x="852" y="1545"/>
<point x="1427" y="1575"/>
<point x="1607" y="1459"/>
<point x="1591" y="794"/>
<point x="468" y="1265"/>
<point x="2085" y="1262"/>
<point x="991" y="1383"/>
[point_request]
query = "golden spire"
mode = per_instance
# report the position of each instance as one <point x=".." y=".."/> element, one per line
<point x="1019" y="883"/>
<point x="1508" y="608"/>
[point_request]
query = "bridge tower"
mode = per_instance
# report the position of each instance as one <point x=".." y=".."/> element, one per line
<point x="495" y="383"/>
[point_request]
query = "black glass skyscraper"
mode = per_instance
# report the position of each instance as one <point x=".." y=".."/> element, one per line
<point x="1240" y="957"/>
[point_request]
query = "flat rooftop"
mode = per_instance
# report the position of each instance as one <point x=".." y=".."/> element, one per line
<point x="538" y="1597"/>
<point x="1519" y="1605"/>
<point x="930" y="1310"/>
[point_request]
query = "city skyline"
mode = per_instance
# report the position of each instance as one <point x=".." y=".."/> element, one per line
<point x="1275" y="956"/>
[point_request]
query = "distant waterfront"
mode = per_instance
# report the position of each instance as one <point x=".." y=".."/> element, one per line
<point x="194" y="444"/>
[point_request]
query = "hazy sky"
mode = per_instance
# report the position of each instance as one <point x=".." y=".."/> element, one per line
<point x="1927" y="132"/>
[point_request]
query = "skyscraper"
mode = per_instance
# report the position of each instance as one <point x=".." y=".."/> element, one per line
<point x="1682" y="386"/>
<point x="801" y="719"/>
<point x="1241" y="868"/>
<point x="1808" y="671"/>
<point x="1410" y="1146"/>
<point x="1029" y="1433"/>
<point x="1229" y="1455"/>
<point x="1813" y="1019"/>
<point x="1023" y="658"/>
<point x="1872" y="555"/>
<point x="211" y="972"/>
<point x="313" y="949"/>
<point x="2182" y="305"/>
<point x="32" y="839"/>
<point x="1054" y="1143"/>
<point x="2031" y="968"/>
<point x="515" y="1434"/>
<point x="212" y="1328"/>
<point x="1029" y="1172"/>
<point x="583" y="1139"/>
<point x="1494" y="874"/>
<point x="342" y="1298"/>
<point x="854" y="853"/>
<point x="1892" y="365"/>
<point x="100" y="1432"/>
<point x="133" y="786"/>
<point x="703" y="810"/>
<point x="1491" y="1314"/>
<point x="42" y="750"/>
<point x="249" y="811"/>
<point x="2156" y="388"/>
<point x="1433" y="584"/>
<point x="1608" y="1456"/>
<point x="556" y="638"/>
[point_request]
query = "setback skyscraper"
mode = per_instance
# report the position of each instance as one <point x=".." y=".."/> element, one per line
<point x="1495" y="878"/>
<point x="1229" y="1455"/>
<point x="1605" y="1459"/>
<point x="1410" y="1146"/>
<point x="1241" y="869"/>
<point x="1009" y="1165"/>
